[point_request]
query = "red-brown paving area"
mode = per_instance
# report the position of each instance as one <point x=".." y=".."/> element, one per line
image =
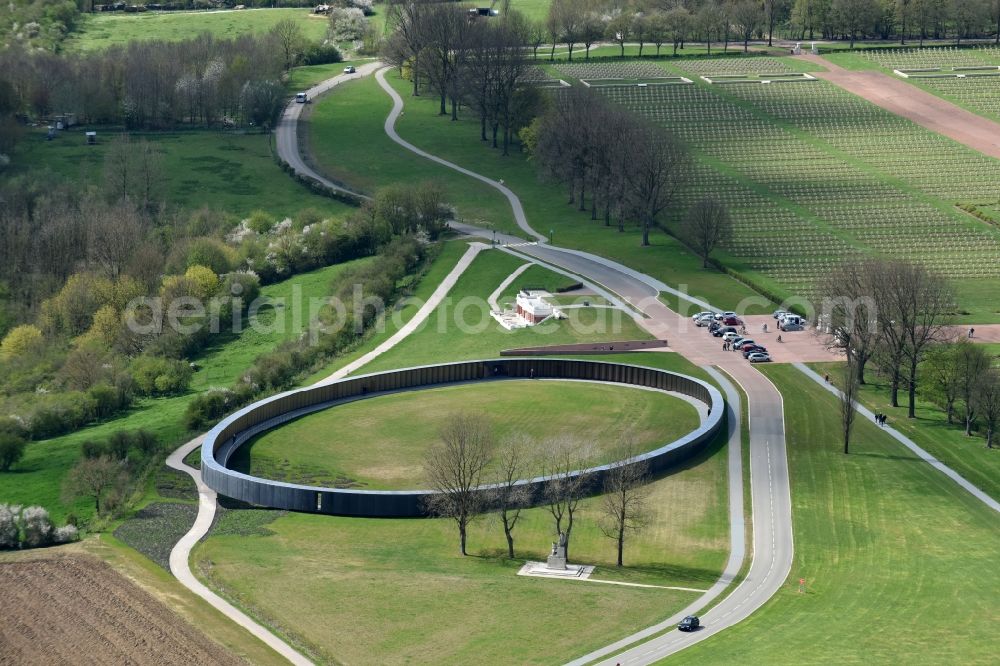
<point x="910" y="102"/>
<point x="989" y="333"/>
<point x="77" y="609"/>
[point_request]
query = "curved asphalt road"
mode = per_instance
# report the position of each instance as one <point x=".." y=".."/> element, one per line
<point x="772" y="519"/>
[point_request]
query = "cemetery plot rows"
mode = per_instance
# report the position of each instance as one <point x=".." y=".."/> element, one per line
<point x="967" y="76"/>
<point x="536" y="76"/>
<point x="744" y="66"/>
<point x="943" y="57"/>
<point x="619" y="74"/>
<point x="873" y="182"/>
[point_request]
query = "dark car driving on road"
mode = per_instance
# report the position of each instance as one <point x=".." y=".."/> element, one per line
<point x="690" y="623"/>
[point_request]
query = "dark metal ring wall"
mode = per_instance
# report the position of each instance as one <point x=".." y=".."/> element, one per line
<point x="237" y="429"/>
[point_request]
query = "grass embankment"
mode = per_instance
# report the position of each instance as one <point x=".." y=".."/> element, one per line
<point x="930" y="430"/>
<point x="225" y="171"/>
<point x="412" y="597"/>
<point x="347" y="141"/>
<point x="897" y="559"/>
<point x="99" y="31"/>
<point x="457" y="333"/>
<point x="327" y="448"/>
<point x="38" y="478"/>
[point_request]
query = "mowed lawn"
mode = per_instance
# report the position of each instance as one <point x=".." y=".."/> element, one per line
<point x="38" y="478"/>
<point x="930" y="430"/>
<point x="99" y="31"/>
<point x="461" y="328"/>
<point x="226" y="171"/>
<point x="390" y="591"/>
<point x="382" y="442"/>
<point x="899" y="563"/>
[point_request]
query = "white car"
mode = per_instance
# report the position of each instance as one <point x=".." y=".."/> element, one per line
<point x="778" y="314"/>
<point x="699" y="315"/>
<point x="759" y="357"/>
<point x="349" y="69"/>
<point x="704" y="321"/>
<point x="729" y="337"/>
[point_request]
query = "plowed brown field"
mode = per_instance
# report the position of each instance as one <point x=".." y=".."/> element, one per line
<point x="77" y="609"/>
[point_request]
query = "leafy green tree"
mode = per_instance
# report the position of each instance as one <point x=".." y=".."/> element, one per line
<point x="11" y="450"/>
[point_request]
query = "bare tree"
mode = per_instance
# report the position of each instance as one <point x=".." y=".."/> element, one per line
<point x="921" y="308"/>
<point x="509" y="496"/>
<point x="747" y="17"/>
<point x="987" y="400"/>
<point x="289" y="38"/>
<point x="114" y="235"/>
<point x="455" y="468"/>
<point x="659" y="166"/>
<point x="853" y="17"/>
<point x="625" y="495"/>
<point x="565" y="488"/>
<point x="943" y="371"/>
<point x="119" y="166"/>
<point x="93" y="477"/>
<point x="706" y="226"/>
<point x="972" y="362"/>
<point x="849" y="402"/>
<point x="850" y="314"/>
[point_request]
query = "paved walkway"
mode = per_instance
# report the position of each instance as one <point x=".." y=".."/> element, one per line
<point x="908" y="443"/>
<point x="906" y="100"/>
<point x="181" y="553"/>
<point x="494" y="299"/>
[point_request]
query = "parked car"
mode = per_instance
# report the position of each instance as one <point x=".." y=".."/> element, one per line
<point x="350" y="69"/>
<point x="690" y="623"/>
<point x="704" y="321"/>
<point x="759" y="357"/>
<point x="704" y="313"/>
<point x="742" y="345"/>
<point x="791" y="322"/>
<point x="753" y="350"/>
<point x="722" y="330"/>
<point x="732" y="321"/>
<point x="714" y="326"/>
<point x="730" y="336"/>
<point x="778" y="314"/>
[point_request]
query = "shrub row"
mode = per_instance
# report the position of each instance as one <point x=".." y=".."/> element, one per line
<point x="278" y="370"/>
<point x="31" y="527"/>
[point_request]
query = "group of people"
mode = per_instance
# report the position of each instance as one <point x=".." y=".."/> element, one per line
<point x="880" y="419"/>
<point x="728" y="346"/>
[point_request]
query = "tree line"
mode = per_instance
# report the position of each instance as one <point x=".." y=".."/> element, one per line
<point x="479" y="64"/>
<point x="893" y="315"/>
<point x="203" y="81"/>
<point x="468" y="456"/>
<point x="74" y="349"/>
<point x="613" y="162"/>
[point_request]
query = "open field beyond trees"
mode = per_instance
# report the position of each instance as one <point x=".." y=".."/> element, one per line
<point x="431" y="604"/>
<point x="930" y="430"/>
<point x="98" y="31"/>
<point x="892" y="552"/>
<point x="381" y="443"/>
<point x="226" y="171"/>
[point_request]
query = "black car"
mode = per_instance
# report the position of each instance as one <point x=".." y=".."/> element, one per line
<point x="719" y="332"/>
<point x="690" y="623"/>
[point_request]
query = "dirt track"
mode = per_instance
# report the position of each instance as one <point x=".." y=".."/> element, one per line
<point x="78" y="610"/>
<point x="912" y="103"/>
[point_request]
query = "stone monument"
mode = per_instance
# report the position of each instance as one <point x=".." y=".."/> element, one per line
<point x="557" y="558"/>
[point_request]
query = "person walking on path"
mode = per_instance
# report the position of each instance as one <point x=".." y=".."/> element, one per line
<point x="878" y="418"/>
<point x="972" y="332"/>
